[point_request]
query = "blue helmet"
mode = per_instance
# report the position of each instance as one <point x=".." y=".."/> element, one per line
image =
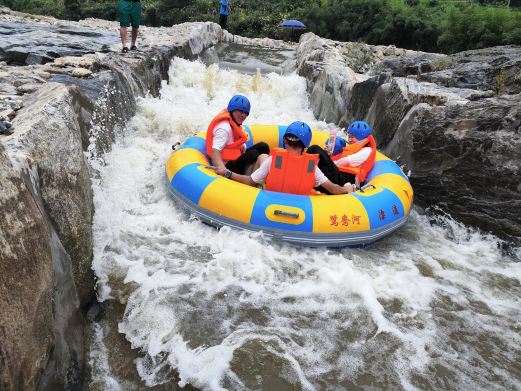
<point x="301" y="130"/>
<point x="340" y="143"/>
<point x="239" y="102"/>
<point x="359" y="129"/>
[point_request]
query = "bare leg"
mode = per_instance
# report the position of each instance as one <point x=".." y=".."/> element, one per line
<point x="260" y="160"/>
<point x="123" y="34"/>
<point x="134" y="35"/>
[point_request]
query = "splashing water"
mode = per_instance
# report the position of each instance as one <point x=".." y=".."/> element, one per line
<point x="434" y="306"/>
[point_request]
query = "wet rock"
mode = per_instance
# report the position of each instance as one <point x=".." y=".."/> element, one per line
<point x="363" y="94"/>
<point x="415" y="63"/>
<point x="330" y="93"/>
<point x="15" y="104"/>
<point x="9" y="114"/>
<point x="26" y="42"/>
<point x="21" y="82"/>
<point x="8" y="89"/>
<point x="26" y="335"/>
<point x="392" y="101"/>
<point x="77" y="62"/>
<point x="227" y="37"/>
<point x="466" y="158"/>
<point x="360" y="56"/>
<point x="329" y="78"/>
<point x="81" y="72"/>
<point x="5" y="126"/>
<point x="34" y="58"/>
<point x="42" y="74"/>
<point x="27" y="88"/>
<point x="496" y="69"/>
<point x="49" y="131"/>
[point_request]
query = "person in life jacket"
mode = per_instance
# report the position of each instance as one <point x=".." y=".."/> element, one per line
<point x="349" y="160"/>
<point x="290" y="170"/>
<point x="226" y="140"/>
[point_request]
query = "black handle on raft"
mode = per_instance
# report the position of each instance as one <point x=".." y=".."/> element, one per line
<point x="367" y="186"/>
<point x="175" y="145"/>
<point x="282" y="213"/>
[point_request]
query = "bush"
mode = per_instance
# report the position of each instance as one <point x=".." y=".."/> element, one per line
<point x="475" y="27"/>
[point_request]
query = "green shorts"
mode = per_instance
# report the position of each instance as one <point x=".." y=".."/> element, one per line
<point x="129" y="13"/>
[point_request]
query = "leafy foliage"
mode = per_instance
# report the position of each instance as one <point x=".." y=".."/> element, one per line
<point x="429" y="25"/>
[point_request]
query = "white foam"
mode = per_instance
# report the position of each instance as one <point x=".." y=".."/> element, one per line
<point x="102" y="376"/>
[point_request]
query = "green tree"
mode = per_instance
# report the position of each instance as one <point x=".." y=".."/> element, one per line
<point x="476" y="27"/>
<point x="72" y="9"/>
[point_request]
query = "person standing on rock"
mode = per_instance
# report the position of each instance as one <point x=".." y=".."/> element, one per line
<point x="129" y="15"/>
<point x="224" y="10"/>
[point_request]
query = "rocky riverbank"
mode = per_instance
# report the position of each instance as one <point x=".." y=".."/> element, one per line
<point x="57" y="112"/>
<point x="66" y="91"/>
<point x="453" y="122"/>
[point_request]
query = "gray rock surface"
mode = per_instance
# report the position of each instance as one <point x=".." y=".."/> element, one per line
<point x="328" y="76"/>
<point x="497" y="69"/>
<point x="362" y="96"/>
<point x="39" y="42"/>
<point x="49" y="132"/>
<point x="26" y="288"/>
<point x="393" y="100"/>
<point x="466" y="158"/>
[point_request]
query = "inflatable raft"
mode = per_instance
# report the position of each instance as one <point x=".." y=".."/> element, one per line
<point x="360" y="218"/>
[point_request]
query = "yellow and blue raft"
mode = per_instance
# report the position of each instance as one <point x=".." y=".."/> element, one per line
<point x="360" y="218"/>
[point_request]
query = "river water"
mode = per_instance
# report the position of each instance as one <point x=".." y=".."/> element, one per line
<point x="435" y="306"/>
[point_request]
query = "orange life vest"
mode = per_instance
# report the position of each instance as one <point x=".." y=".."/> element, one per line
<point x="231" y="151"/>
<point x="363" y="169"/>
<point x="291" y="173"/>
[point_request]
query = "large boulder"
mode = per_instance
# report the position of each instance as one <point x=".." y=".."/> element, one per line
<point x="329" y="78"/>
<point x="330" y="93"/>
<point x="362" y="96"/>
<point x="49" y="131"/>
<point x="103" y="103"/>
<point x="393" y="100"/>
<point x="415" y="63"/>
<point x="466" y="158"/>
<point x="26" y="291"/>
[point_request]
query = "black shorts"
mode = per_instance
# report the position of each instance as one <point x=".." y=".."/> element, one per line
<point x="222" y="20"/>
<point x="330" y="169"/>
<point x="249" y="157"/>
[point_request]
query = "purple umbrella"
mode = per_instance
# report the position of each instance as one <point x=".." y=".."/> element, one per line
<point x="296" y="24"/>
